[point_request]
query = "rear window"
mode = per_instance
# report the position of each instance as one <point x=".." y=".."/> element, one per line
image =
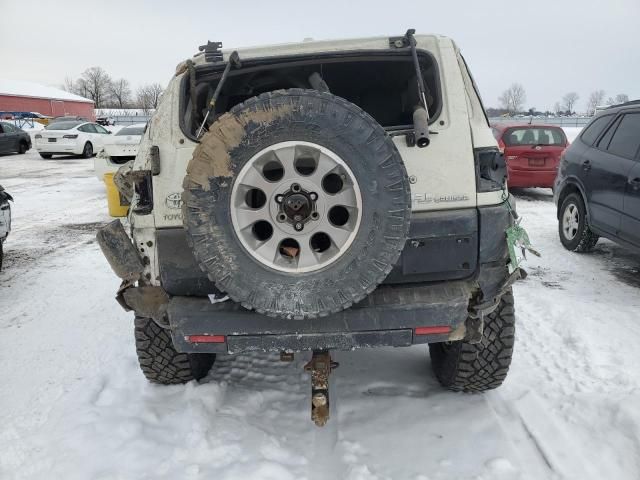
<point x="62" y="125"/>
<point x="131" y="131"/>
<point x="383" y="85"/>
<point x="534" y="136"/>
<point x="594" y="129"/>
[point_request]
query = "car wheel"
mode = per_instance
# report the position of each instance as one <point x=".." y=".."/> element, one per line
<point x="87" y="152"/>
<point x="573" y="229"/>
<point x="476" y="367"/>
<point x="22" y="148"/>
<point x="159" y="360"/>
<point x="46" y="156"/>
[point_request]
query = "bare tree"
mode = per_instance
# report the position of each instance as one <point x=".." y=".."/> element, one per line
<point x="97" y="83"/>
<point x="569" y="101"/>
<point x="120" y="92"/>
<point x="148" y="96"/>
<point x="69" y="85"/>
<point x="513" y="98"/>
<point x="557" y="108"/>
<point x="622" y="98"/>
<point x="596" y="98"/>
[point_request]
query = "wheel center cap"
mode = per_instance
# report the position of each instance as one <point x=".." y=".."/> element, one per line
<point x="297" y="205"/>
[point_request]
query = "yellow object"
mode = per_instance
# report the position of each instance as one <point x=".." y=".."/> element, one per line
<point x="118" y="205"/>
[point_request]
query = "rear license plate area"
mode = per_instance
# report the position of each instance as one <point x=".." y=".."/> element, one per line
<point x="537" y="162"/>
<point x="51" y="140"/>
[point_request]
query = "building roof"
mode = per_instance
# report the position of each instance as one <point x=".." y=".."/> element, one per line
<point x="19" y="88"/>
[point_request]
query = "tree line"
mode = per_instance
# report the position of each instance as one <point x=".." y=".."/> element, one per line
<point x="513" y="100"/>
<point x="107" y="92"/>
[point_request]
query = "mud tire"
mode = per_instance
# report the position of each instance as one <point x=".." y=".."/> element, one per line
<point x="309" y="116"/>
<point x="465" y="367"/>
<point x="159" y="360"/>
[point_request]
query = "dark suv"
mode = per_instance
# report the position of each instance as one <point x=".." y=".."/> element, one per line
<point x="597" y="189"/>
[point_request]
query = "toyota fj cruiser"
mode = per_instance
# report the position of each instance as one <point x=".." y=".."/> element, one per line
<point x="338" y="194"/>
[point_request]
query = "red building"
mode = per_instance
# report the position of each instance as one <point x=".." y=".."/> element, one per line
<point x="19" y="96"/>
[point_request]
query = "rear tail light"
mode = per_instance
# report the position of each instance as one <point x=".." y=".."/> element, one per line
<point x="491" y="169"/>
<point x="143" y="187"/>
<point x="501" y="145"/>
<point x="205" y="338"/>
<point x="70" y="136"/>
<point x="38" y="136"/>
<point x="433" y="330"/>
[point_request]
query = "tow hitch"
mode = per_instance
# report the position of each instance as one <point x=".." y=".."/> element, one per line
<point x="320" y="366"/>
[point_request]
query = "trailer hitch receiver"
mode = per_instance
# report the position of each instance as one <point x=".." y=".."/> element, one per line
<point x="320" y="366"/>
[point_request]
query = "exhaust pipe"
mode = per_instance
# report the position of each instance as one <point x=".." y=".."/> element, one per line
<point x="421" y="127"/>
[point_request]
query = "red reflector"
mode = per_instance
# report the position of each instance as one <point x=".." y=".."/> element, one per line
<point x="205" y="338"/>
<point x="435" y="330"/>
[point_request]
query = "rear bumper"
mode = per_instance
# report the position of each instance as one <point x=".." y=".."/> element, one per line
<point x="388" y="317"/>
<point x="422" y="306"/>
<point x="531" y="178"/>
<point x="58" y="148"/>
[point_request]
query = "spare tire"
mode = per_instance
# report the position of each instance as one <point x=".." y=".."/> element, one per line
<point x="296" y="203"/>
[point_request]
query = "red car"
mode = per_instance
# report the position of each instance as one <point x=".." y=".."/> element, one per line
<point x="532" y="153"/>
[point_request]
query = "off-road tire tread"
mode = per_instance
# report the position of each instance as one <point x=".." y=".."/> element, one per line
<point x="474" y="368"/>
<point x="159" y="360"/>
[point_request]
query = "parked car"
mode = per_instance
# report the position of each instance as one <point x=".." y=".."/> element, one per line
<point x="5" y="220"/>
<point x="532" y="153"/>
<point x="291" y="193"/>
<point x="118" y="149"/>
<point x="105" y="121"/>
<point x="13" y="139"/>
<point x="597" y="190"/>
<point x="68" y="118"/>
<point x="71" y="138"/>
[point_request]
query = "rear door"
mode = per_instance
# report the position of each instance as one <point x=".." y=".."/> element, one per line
<point x="609" y="163"/>
<point x="630" y="222"/>
<point x="534" y="148"/>
<point x="4" y="147"/>
<point x="101" y="135"/>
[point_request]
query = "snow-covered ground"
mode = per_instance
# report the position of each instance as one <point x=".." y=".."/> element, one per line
<point x="73" y="404"/>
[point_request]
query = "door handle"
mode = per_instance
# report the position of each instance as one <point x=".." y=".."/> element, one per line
<point x="635" y="183"/>
<point x="586" y="165"/>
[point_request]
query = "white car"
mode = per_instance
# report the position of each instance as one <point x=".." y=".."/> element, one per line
<point x="73" y="137"/>
<point x="118" y="149"/>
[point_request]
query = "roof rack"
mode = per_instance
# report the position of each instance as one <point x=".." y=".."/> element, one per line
<point x="625" y="104"/>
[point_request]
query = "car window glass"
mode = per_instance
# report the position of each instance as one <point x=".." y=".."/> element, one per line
<point x="83" y="128"/>
<point x="1" y="125"/>
<point x="100" y="129"/>
<point x="8" y="128"/>
<point x="593" y="130"/>
<point x="606" y="138"/>
<point x="626" y="139"/>
<point x="131" y="131"/>
<point x="89" y="128"/>
<point x="534" y="136"/>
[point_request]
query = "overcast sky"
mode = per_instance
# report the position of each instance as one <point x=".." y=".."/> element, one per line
<point x="550" y="46"/>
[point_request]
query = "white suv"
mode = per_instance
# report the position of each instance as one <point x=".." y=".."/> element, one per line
<point x="341" y="194"/>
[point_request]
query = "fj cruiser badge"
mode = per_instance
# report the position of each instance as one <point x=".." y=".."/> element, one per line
<point x="174" y="200"/>
<point x="429" y="198"/>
